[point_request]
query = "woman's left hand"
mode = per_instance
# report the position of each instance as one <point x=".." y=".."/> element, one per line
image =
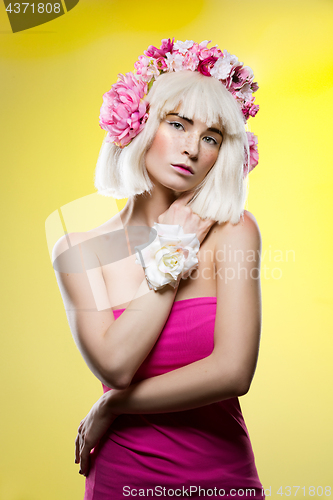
<point x="91" y="429"/>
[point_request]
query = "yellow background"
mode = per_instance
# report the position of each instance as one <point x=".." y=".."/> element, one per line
<point x="52" y="80"/>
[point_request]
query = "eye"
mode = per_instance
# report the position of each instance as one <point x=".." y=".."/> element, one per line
<point x="210" y="140"/>
<point x="176" y="125"/>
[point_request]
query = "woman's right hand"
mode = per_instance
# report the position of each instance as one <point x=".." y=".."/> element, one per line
<point x="180" y="213"/>
<point x="92" y="428"/>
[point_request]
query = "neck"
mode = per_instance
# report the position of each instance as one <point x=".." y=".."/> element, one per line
<point x="144" y="209"/>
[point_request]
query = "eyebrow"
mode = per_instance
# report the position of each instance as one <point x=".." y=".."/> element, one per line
<point x="211" y="129"/>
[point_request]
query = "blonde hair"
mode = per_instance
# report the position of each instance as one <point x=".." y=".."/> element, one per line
<point x="122" y="173"/>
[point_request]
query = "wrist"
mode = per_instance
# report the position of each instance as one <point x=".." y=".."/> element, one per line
<point x="115" y="401"/>
<point x="169" y="255"/>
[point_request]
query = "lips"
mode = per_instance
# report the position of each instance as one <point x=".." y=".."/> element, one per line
<point x="181" y="167"/>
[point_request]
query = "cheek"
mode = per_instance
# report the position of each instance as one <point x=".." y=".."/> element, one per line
<point x="209" y="159"/>
<point x="154" y="151"/>
<point x="160" y="143"/>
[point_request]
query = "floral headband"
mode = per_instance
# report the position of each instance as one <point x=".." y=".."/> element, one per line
<point x="124" y="111"/>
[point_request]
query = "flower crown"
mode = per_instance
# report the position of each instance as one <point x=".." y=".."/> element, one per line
<point x="124" y="111"/>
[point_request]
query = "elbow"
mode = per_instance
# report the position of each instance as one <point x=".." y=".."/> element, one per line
<point x="115" y="380"/>
<point x="242" y="389"/>
<point x="116" y="377"/>
<point x="242" y="385"/>
<point x="119" y="384"/>
<point x="239" y="383"/>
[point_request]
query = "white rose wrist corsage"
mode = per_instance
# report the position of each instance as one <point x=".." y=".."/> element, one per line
<point x="168" y="256"/>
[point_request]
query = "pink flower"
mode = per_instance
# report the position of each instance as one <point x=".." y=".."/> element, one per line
<point x="196" y="49"/>
<point x="253" y="110"/>
<point x="249" y="108"/>
<point x="217" y="52"/>
<point x="146" y="67"/>
<point x="206" y="65"/>
<point x="244" y="93"/>
<point x="205" y="53"/>
<point x="254" y="86"/>
<point x="224" y="66"/>
<point x="166" y="47"/>
<point x="254" y="155"/>
<point x="190" y="61"/>
<point x="124" y="112"/>
<point x="161" y="64"/>
<point x="241" y="75"/>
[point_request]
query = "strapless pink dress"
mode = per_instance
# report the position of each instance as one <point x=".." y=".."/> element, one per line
<point x="175" y="454"/>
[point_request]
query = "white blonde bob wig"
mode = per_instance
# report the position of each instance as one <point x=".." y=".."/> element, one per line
<point x="121" y="172"/>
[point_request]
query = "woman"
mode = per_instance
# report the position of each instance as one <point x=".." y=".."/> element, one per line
<point x="175" y="339"/>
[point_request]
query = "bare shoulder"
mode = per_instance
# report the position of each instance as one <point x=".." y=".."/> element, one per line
<point x="74" y="239"/>
<point x="67" y="241"/>
<point x="244" y="234"/>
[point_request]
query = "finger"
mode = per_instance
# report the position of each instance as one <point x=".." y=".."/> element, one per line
<point x="84" y="460"/>
<point x="77" y="449"/>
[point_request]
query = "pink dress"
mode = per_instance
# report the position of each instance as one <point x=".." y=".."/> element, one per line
<point x="174" y="454"/>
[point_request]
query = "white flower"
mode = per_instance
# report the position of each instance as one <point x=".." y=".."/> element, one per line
<point x="169" y="256"/>
<point x="223" y="66"/>
<point x="183" y="46"/>
<point x="175" y="61"/>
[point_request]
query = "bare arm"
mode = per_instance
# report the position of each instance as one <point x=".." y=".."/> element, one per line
<point x="227" y="372"/>
<point x="114" y="350"/>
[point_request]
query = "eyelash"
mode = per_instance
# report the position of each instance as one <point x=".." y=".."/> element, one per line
<point x="173" y="124"/>
<point x="211" y="139"/>
<point x="176" y="123"/>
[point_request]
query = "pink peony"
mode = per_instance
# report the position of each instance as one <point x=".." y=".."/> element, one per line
<point x="254" y="155"/>
<point x="124" y="112"/>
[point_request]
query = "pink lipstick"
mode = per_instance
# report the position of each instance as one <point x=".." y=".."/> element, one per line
<point x="183" y="169"/>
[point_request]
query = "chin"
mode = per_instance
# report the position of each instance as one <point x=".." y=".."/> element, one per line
<point x="177" y="190"/>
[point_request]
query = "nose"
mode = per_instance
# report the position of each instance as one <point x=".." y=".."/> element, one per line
<point x="192" y="146"/>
